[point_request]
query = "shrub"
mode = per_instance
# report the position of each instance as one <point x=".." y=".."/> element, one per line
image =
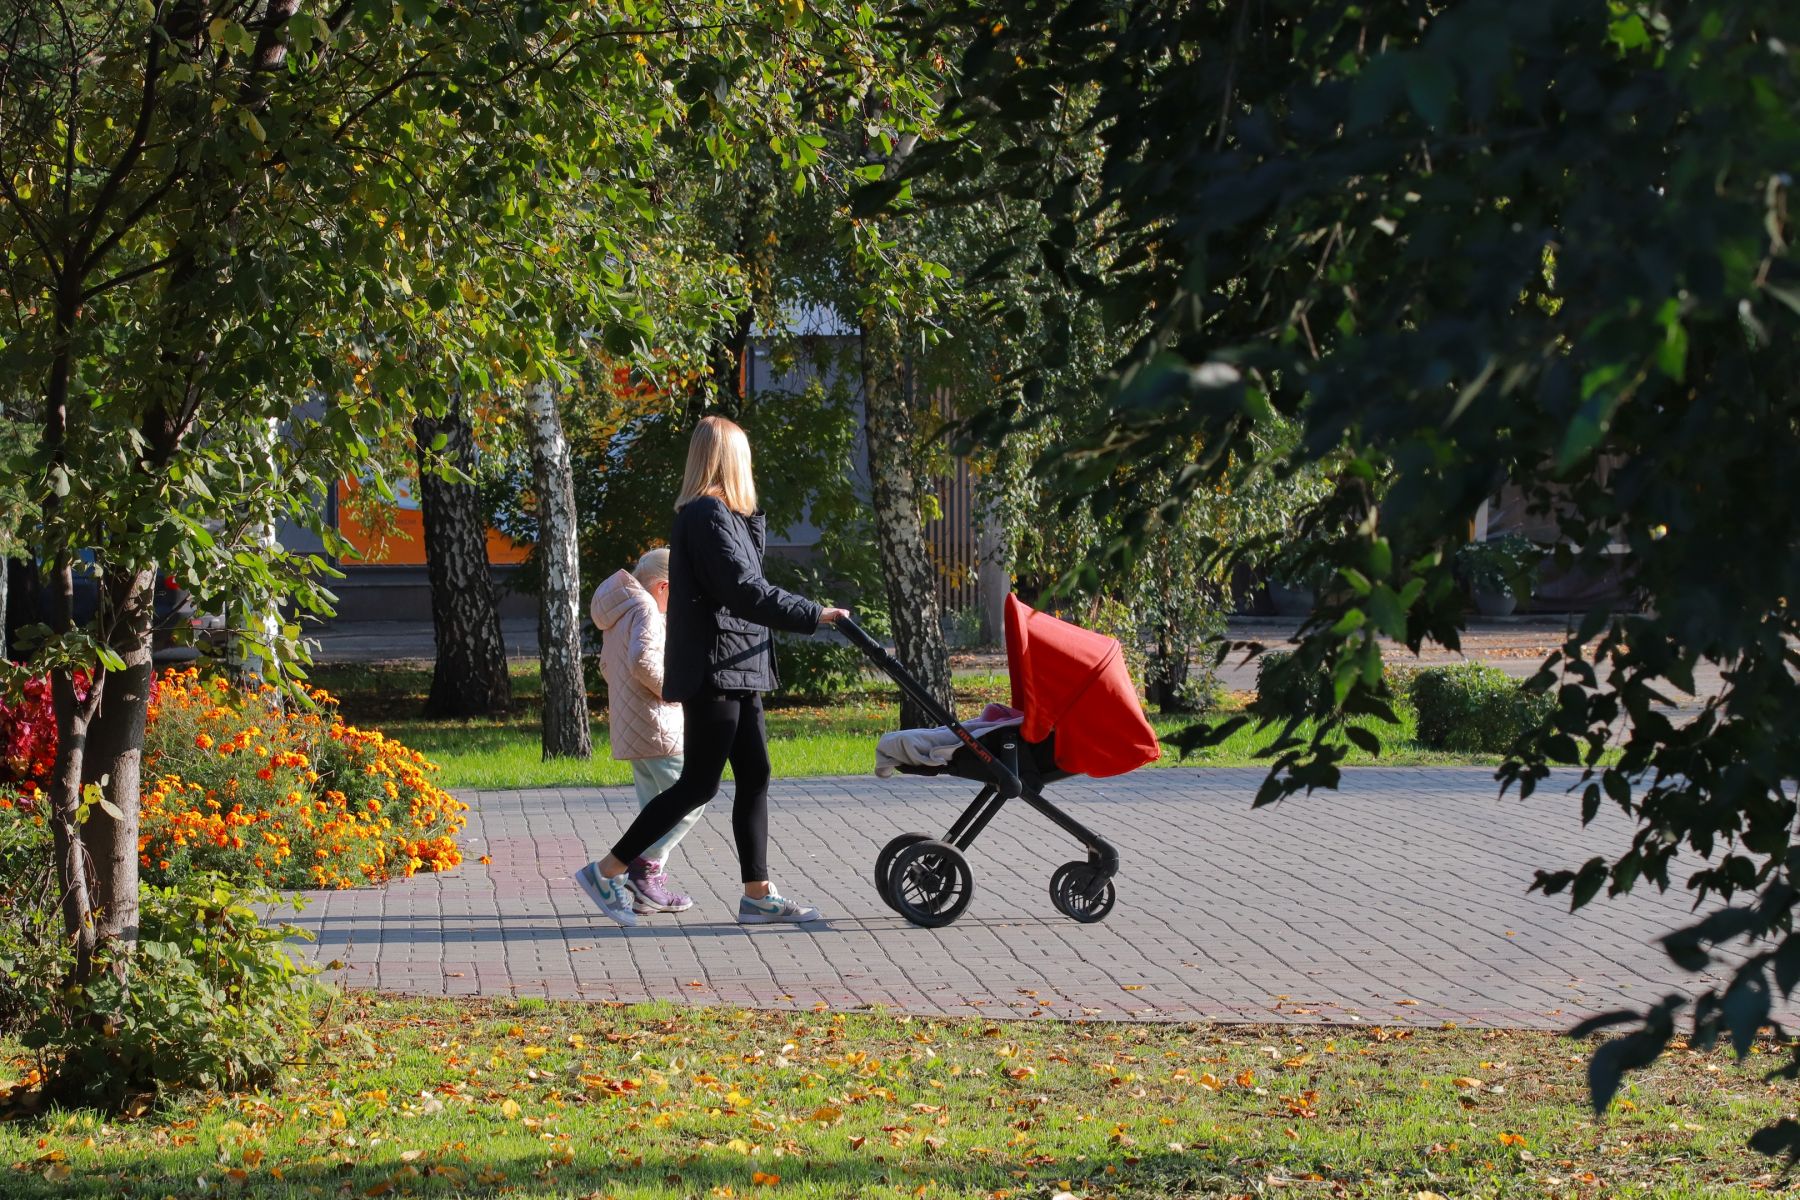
<point x="32" y="944"/>
<point x="1474" y="708"/>
<point x="210" y="997"/>
<point x="28" y="732"/>
<point x="1502" y="564"/>
<point x="236" y="785"/>
<point x="817" y="668"/>
<point x="1285" y="688"/>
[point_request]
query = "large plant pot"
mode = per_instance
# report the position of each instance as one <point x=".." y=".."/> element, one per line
<point x="1291" y="601"/>
<point x="1495" y="604"/>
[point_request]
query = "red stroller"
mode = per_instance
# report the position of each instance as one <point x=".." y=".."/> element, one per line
<point x="1082" y="717"/>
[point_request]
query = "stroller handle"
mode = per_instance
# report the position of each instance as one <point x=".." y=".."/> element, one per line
<point x="1004" y="773"/>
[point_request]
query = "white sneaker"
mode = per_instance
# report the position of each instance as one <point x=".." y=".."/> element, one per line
<point x="609" y="895"/>
<point x="774" y="909"/>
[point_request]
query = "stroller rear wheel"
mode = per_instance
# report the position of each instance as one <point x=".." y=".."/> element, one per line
<point x="1069" y="889"/>
<point x="930" y="883"/>
<point x="884" y="863"/>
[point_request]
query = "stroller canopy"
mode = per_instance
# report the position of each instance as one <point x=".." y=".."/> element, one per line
<point x="1073" y="682"/>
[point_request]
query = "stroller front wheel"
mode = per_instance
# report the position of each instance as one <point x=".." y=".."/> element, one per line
<point x="884" y="864"/>
<point x="1070" y="890"/>
<point x="930" y="883"/>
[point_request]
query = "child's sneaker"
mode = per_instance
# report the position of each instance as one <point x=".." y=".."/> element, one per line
<point x="772" y="910"/>
<point x="649" y="885"/>
<point x="608" y="894"/>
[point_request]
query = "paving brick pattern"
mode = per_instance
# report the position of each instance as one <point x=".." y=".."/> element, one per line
<point x="1399" y="899"/>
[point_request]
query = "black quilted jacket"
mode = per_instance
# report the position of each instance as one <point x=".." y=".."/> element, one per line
<point x="721" y="610"/>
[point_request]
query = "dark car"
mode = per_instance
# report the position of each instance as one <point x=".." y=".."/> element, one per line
<point x="177" y="636"/>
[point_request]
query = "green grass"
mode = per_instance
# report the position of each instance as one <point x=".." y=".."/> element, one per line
<point x="446" y="1098"/>
<point x="804" y="740"/>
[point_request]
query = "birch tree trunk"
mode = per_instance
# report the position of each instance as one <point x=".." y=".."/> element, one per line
<point x="565" y="725"/>
<point x="254" y="625"/>
<point x="899" y="520"/>
<point x="469" y="678"/>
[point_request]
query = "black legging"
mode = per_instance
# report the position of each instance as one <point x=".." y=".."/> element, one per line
<point x="720" y="728"/>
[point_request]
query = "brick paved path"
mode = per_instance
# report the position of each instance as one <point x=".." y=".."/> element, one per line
<point x="1399" y="899"/>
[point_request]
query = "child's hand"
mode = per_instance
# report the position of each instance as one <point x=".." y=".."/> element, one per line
<point x="832" y="616"/>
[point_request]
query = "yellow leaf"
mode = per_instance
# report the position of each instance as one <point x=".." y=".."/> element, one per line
<point x="534" y="1052"/>
<point x="1247" y="1079"/>
<point x="827" y="1115"/>
<point x="1466" y="1081"/>
<point x="1210" y="1082"/>
<point x="1132" y="987"/>
<point x="58" y="1172"/>
<point x="1428" y="1196"/>
<point x="738" y="1146"/>
<point x="761" y="1179"/>
<point x="1513" y="1139"/>
<point x="509" y="1108"/>
<point x="410" y="1156"/>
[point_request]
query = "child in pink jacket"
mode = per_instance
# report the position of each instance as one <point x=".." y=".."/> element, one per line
<point x="646" y="730"/>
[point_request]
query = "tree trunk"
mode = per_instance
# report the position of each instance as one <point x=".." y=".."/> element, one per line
<point x="899" y="522"/>
<point x="469" y="679"/>
<point x="993" y="576"/>
<point x="5" y="582"/>
<point x="255" y="623"/>
<point x="565" y="730"/>
<point x="74" y="713"/>
<point x="115" y="757"/>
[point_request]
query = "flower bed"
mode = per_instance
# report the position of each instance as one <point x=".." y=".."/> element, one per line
<point x="235" y="783"/>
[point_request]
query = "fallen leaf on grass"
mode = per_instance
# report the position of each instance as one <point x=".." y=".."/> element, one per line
<point x="761" y="1179"/>
<point x="1513" y="1139"/>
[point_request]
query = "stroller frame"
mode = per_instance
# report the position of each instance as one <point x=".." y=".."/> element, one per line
<point x="928" y="880"/>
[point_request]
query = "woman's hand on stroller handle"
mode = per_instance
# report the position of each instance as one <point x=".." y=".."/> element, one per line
<point x="831" y="616"/>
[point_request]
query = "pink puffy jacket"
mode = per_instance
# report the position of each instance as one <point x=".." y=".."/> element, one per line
<point x="644" y="725"/>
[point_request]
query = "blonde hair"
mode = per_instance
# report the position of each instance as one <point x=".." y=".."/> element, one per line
<point x="718" y="465"/>
<point x="653" y="567"/>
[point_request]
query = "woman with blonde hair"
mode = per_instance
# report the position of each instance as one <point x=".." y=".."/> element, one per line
<point x="720" y="660"/>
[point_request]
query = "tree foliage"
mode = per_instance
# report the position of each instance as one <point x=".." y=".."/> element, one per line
<point x="1532" y="242"/>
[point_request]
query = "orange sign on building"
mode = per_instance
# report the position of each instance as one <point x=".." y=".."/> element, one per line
<point x="404" y="546"/>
